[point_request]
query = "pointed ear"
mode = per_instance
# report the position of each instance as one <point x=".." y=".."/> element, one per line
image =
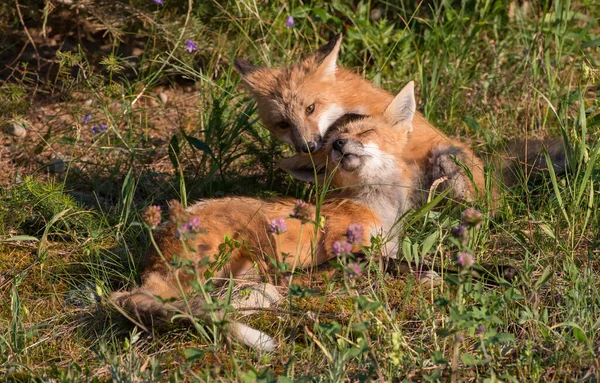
<point x="303" y="168"/>
<point x="243" y="67"/>
<point x="327" y="57"/>
<point x="259" y="81"/>
<point x="402" y="108"/>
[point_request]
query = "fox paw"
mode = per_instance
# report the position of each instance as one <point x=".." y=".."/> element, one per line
<point x="445" y="164"/>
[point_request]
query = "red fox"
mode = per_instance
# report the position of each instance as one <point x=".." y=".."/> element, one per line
<point x="364" y="161"/>
<point x="301" y="103"/>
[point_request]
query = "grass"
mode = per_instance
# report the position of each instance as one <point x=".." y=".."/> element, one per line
<point x="485" y="72"/>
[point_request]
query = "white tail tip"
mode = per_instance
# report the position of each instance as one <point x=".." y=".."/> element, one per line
<point x="253" y="338"/>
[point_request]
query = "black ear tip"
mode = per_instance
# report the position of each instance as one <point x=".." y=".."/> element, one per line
<point x="328" y="48"/>
<point x="243" y="67"/>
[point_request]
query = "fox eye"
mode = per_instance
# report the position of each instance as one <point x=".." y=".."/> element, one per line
<point x="283" y="125"/>
<point x="366" y="132"/>
<point x="310" y="109"/>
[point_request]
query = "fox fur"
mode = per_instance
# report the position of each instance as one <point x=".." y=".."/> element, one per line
<point x="301" y="103"/>
<point x="374" y="189"/>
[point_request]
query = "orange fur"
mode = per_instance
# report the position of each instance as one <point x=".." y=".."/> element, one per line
<point x="283" y="94"/>
<point x="374" y="203"/>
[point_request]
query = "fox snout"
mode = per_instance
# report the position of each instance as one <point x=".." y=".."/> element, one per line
<point x="349" y="152"/>
<point x="309" y="145"/>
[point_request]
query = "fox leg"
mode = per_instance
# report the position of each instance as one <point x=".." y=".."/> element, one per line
<point x="450" y="162"/>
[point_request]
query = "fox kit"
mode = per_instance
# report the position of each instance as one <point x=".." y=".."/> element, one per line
<point x="364" y="161"/>
<point x="299" y="104"/>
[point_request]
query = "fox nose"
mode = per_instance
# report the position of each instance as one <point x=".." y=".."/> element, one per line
<point x="310" y="146"/>
<point x="339" y="144"/>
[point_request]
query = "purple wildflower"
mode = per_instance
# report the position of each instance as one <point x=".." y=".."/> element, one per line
<point x="301" y="210"/>
<point x="277" y="226"/>
<point x="355" y="233"/>
<point x="152" y="216"/>
<point x="289" y="22"/>
<point x="464" y="259"/>
<point x="190" y="46"/>
<point x="340" y="248"/>
<point x="480" y="329"/>
<point x="194" y="224"/>
<point x="158" y="2"/>
<point x="177" y="212"/>
<point x="181" y="231"/>
<point x="459" y="338"/>
<point x="472" y="217"/>
<point x="99" y="128"/>
<point x="459" y="231"/>
<point x="87" y="118"/>
<point x="353" y="269"/>
<point x="189" y="228"/>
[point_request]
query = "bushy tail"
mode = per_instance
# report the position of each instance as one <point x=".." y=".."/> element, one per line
<point x="525" y="160"/>
<point x="142" y="306"/>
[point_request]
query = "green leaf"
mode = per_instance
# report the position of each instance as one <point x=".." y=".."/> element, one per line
<point x="591" y="43"/>
<point x="21" y="238"/>
<point x="200" y="145"/>
<point x="193" y="354"/>
<point x="174" y="151"/>
<point x="469" y="360"/>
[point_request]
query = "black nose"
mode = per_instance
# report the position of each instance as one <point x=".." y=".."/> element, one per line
<point x="339" y="144"/>
<point x="309" y="147"/>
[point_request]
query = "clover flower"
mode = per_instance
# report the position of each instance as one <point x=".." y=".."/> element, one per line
<point x="289" y="22"/>
<point x="355" y="233"/>
<point x="301" y="210"/>
<point x="177" y="212"/>
<point x="158" y="2"/>
<point x="189" y="228"/>
<point x="464" y="259"/>
<point x="190" y="46"/>
<point x="151" y="216"/>
<point x="340" y="248"/>
<point x="87" y="118"/>
<point x="472" y="217"/>
<point x="277" y="226"/>
<point x="353" y="270"/>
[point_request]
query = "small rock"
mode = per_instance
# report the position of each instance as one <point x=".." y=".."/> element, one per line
<point x="430" y="278"/>
<point x="188" y="89"/>
<point x="376" y="14"/>
<point x="163" y="98"/>
<point x="57" y="166"/>
<point x="88" y="102"/>
<point x="17" y="129"/>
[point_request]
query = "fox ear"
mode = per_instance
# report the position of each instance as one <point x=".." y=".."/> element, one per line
<point x="258" y="80"/>
<point x="243" y="67"/>
<point x="402" y="108"/>
<point x="327" y="56"/>
<point x="303" y="168"/>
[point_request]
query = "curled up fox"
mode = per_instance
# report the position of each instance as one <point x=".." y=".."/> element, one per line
<point x="364" y="158"/>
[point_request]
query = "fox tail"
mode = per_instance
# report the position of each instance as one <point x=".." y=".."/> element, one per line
<point x="525" y="160"/>
<point x="145" y="308"/>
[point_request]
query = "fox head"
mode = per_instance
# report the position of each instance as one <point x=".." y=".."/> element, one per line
<point x="297" y="104"/>
<point x="365" y="151"/>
